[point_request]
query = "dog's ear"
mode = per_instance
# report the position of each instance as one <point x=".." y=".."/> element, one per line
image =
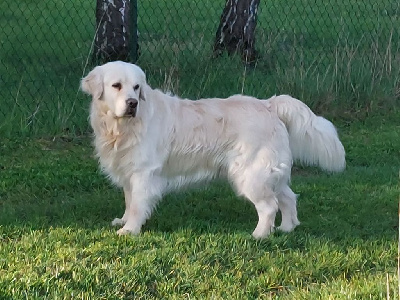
<point x="93" y="83"/>
<point x="141" y="78"/>
<point x="142" y="94"/>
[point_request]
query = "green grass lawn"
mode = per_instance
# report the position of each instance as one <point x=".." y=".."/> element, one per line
<point x="56" y="241"/>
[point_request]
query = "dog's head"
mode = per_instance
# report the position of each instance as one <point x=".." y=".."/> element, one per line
<point x="120" y="85"/>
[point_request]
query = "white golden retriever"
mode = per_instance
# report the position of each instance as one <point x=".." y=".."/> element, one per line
<point x="150" y="143"/>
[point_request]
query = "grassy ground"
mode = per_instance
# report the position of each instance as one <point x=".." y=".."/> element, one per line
<point x="56" y="241"/>
<point x="55" y="208"/>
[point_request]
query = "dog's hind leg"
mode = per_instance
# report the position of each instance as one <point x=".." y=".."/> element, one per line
<point x="128" y="197"/>
<point x="255" y="188"/>
<point x="287" y="206"/>
<point x="266" y="210"/>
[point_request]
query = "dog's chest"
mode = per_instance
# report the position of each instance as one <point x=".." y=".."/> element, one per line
<point x="114" y="158"/>
<point x="115" y="147"/>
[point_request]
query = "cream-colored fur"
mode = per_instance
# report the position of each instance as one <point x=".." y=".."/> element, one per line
<point x="168" y="142"/>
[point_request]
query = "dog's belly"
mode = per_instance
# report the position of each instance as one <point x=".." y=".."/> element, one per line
<point x="177" y="182"/>
<point x="184" y="170"/>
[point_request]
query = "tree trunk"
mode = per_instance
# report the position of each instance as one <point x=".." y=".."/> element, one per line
<point x="114" y="24"/>
<point x="235" y="32"/>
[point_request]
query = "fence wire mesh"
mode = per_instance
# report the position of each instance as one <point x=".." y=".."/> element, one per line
<point x="341" y="54"/>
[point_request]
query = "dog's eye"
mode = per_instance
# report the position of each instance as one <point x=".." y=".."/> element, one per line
<point x="117" y="85"/>
<point x="136" y="87"/>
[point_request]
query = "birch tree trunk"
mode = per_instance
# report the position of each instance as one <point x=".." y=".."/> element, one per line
<point x="113" y="30"/>
<point x="236" y="29"/>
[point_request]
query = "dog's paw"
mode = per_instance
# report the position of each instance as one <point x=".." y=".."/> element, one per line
<point x="289" y="226"/>
<point x="125" y="231"/>
<point x="118" y="222"/>
<point x="263" y="233"/>
<point x="285" y="228"/>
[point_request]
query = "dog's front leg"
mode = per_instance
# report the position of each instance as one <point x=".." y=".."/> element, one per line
<point x="128" y="197"/>
<point x="139" y="203"/>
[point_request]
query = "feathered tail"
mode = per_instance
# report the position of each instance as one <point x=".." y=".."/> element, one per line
<point x="313" y="139"/>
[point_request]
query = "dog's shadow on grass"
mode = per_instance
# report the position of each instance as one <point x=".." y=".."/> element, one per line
<point x="336" y="212"/>
<point x="214" y="209"/>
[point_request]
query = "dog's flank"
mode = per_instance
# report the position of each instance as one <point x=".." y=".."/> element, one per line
<point x="168" y="142"/>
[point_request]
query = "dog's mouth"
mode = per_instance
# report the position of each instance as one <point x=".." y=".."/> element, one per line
<point x="130" y="112"/>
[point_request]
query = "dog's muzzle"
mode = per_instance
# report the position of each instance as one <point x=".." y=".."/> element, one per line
<point x="131" y="107"/>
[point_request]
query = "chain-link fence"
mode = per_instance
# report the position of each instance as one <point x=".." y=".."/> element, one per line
<point x="336" y="55"/>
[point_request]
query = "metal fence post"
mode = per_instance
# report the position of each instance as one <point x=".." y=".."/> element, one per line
<point x="134" y="49"/>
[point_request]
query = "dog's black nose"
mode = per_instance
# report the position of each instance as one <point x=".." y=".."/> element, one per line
<point x="131" y="103"/>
